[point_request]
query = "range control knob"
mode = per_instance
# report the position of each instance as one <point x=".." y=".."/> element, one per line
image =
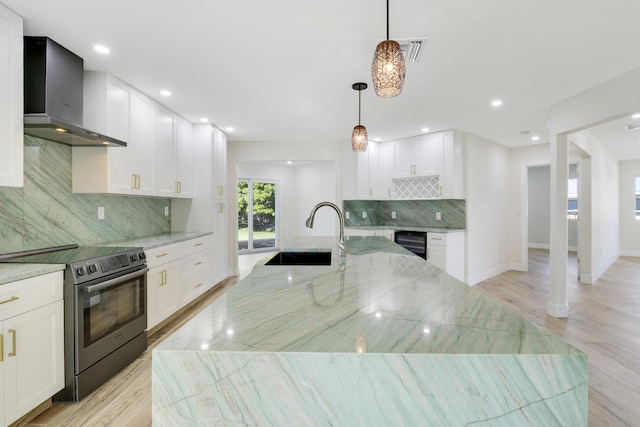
<point x="92" y="268"/>
<point x="80" y="271"/>
<point x="142" y="255"/>
<point x="134" y="257"/>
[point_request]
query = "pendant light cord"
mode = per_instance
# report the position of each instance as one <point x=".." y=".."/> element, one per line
<point x="387" y="19"/>
<point x="359" y="92"/>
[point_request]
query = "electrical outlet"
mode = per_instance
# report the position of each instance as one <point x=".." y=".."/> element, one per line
<point x="346" y="215"/>
<point x="100" y="212"/>
<point x="393" y="215"/>
<point x="166" y="211"/>
<point x="364" y="214"/>
<point x="438" y="216"/>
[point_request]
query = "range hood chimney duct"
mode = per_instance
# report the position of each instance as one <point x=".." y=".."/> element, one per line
<point x="53" y="95"/>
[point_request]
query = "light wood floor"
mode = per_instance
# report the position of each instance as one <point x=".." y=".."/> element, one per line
<point x="604" y="321"/>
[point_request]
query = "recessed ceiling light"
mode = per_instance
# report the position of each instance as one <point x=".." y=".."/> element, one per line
<point x="165" y="93"/>
<point x="496" y="103"/>
<point x="289" y="162"/>
<point x="425" y="129"/>
<point x="377" y="139"/>
<point x="204" y="120"/>
<point x="101" y="49"/>
<point x="229" y="129"/>
<point x="535" y="138"/>
<point x="636" y="116"/>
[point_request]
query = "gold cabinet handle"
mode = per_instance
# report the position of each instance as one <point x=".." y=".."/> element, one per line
<point x="198" y="244"/>
<point x="198" y="285"/>
<point x="161" y="255"/>
<point x="436" y="238"/>
<point x="139" y="179"/>
<point x="220" y="190"/>
<point x="163" y="277"/>
<point x="134" y="180"/>
<point x="198" y="263"/>
<point x="221" y="208"/>
<point x="13" y="342"/>
<point x="1" y="348"/>
<point x="9" y="300"/>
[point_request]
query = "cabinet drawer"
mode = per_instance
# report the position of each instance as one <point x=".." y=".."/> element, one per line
<point x="436" y="239"/>
<point x="196" y="245"/>
<point x="28" y="294"/>
<point x="195" y="283"/>
<point x="163" y="254"/>
<point x="198" y="261"/>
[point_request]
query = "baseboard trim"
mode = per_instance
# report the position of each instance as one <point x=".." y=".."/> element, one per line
<point x="488" y="274"/>
<point x="559" y="311"/>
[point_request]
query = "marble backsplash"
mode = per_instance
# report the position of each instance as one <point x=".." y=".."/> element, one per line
<point x="46" y="213"/>
<point x="415" y="213"/>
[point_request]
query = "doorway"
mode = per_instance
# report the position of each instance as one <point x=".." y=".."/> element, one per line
<point x="258" y="229"/>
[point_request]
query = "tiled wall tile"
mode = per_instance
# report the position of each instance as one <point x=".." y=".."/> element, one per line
<point x="416" y="213"/>
<point x="46" y="213"/>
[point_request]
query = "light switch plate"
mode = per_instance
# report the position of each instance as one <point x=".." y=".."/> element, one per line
<point x="346" y="214"/>
<point x="364" y="214"/>
<point x="166" y="211"/>
<point x="100" y="212"/>
<point x="438" y="216"/>
<point x="393" y="215"/>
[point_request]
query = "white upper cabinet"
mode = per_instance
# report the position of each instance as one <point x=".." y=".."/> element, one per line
<point x="158" y="158"/>
<point x="367" y="166"/>
<point x="164" y="152"/>
<point x="386" y="170"/>
<point x="184" y="158"/>
<point x="11" y="101"/>
<point x="419" y="155"/>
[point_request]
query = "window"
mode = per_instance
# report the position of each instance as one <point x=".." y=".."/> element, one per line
<point x="638" y="198"/>
<point x="572" y="205"/>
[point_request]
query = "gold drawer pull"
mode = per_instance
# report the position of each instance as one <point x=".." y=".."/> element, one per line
<point x="9" y="300"/>
<point x="198" y="244"/>
<point x="1" y="348"/>
<point x="436" y="238"/>
<point x="198" y="263"/>
<point x="198" y="285"/>
<point x="13" y="342"/>
<point x="161" y="255"/>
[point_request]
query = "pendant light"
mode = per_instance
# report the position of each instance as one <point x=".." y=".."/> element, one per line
<point x="359" y="135"/>
<point x="388" y="67"/>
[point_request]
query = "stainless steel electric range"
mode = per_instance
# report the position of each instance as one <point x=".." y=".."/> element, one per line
<point x="105" y="311"/>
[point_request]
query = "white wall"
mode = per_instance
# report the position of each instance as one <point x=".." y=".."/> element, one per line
<point x="256" y="151"/>
<point x="488" y="208"/>
<point x="539" y="206"/>
<point x="629" y="226"/>
<point x="316" y="183"/>
<point x="605" y="213"/>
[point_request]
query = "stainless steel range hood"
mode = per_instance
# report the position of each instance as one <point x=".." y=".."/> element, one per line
<point x="53" y="95"/>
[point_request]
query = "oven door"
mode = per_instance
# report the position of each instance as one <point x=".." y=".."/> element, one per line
<point x="108" y="314"/>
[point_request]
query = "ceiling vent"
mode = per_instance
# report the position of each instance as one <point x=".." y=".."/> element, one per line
<point x="412" y="49"/>
<point x="633" y="126"/>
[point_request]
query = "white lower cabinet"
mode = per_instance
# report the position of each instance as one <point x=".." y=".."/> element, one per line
<point x="31" y="344"/>
<point x="178" y="273"/>
<point x="446" y="251"/>
<point x="348" y="232"/>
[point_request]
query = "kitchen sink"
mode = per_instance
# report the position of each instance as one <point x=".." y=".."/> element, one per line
<point x="301" y="258"/>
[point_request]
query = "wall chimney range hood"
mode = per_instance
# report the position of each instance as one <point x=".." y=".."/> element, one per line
<point x="53" y="95"/>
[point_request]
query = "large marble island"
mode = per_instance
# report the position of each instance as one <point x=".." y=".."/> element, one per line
<point x="382" y="339"/>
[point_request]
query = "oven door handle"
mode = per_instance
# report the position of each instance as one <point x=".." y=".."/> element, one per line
<point x="115" y="281"/>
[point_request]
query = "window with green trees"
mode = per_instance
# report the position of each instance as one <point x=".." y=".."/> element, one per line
<point x="257" y="213"/>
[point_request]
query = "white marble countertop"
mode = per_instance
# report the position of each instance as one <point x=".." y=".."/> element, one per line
<point x="151" y="242"/>
<point x="14" y="272"/>
<point x="404" y="228"/>
<point x="382" y="300"/>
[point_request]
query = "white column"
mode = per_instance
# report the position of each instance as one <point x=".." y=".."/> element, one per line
<point x="557" y="305"/>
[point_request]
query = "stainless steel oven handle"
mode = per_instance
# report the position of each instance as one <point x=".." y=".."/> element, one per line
<point x="117" y="280"/>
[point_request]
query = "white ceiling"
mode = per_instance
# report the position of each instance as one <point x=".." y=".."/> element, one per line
<point x="283" y="69"/>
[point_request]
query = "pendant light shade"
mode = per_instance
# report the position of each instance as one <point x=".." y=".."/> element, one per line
<point x="359" y="138"/>
<point x="388" y="67"/>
